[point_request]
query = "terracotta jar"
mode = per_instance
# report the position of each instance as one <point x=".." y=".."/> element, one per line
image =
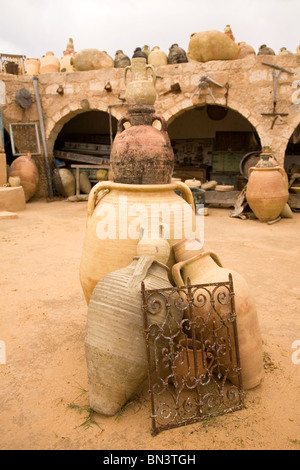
<point x="33" y="66"/>
<point x="140" y="90"/>
<point x="115" y="215"/>
<point x="68" y="182"/>
<point x="211" y="45"/>
<point x="142" y="154"/>
<point x="157" y="57"/>
<point x="246" y="50"/>
<point x="187" y="369"/>
<point x="26" y="169"/>
<point x="267" y="190"/>
<point x="65" y="64"/>
<point x="115" y="342"/>
<point x="49" y="63"/>
<point x="176" y="55"/>
<point x="207" y="268"/>
<point x="121" y="59"/>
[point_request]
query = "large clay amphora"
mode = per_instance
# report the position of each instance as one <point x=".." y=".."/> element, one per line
<point x="140" y="90"/>
<point x="142" y="154"/>
<point x="207" y="268"/>
<point x="32" y="66"/>
<point x="115" y="215"/>
<point x="115" y="342"/>
<point x="211" y="45"/>
<point x="267" y="190"/>
<point x="26" y="169"/>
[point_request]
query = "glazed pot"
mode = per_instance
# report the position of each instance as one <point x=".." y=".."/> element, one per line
<point x="142" y="154"/>
<point x="212" y="45"/>
<point x="140" y="90"/>
<point x="115" y="342"/>
<point x="26" y="169"/>
<point x="267" y="191"/>
<point x="115" y="215"/>
<point x="33" y="66"/>
<point x="207" y="268"/>
<point x="157" y="57"/>
<point x="49" y="63"/>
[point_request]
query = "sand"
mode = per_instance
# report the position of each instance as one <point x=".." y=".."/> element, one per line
<point x="43" y="382"/>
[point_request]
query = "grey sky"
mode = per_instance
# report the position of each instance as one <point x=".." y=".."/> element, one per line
<point x="33" y="27"/>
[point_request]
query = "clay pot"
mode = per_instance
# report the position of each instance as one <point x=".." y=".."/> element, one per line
<point x="65" y="64"/>
<point x="157" y="57"/>
<point x="228" y="32"/>
<point x="33" y="66"/>
<point x="212" y="45"/>
<point x="142" y="154"/>
<point x="115" y="342"/>
<point x="193" y="183"/>
<point x="207" y="268"/>
<point x="14" y="181"/>
<point x="49" y="63"/>
<point x="153" y="241"/>
<point x="26" y="169"/>
<point x="91" y="59"/>
<point x="267" y="190"/>
<point x="187" y="368"/>
<point x="140" y="90"/>
<point x="264" y="50"/>
<point x="84" y="183"/>
<point x="176" y="55"/>
<point x="121" y="60"/>
<point x="68" y="182"/>
<point x="115" y="215"/>
<point x="139" y="53"/>
<point x="187" y="248"/>
<point x="102" y="175"/>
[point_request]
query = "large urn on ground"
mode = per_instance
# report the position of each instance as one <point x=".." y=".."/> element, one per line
<point x="142" y="154"/>
<point x="140" y="89"/>
<point x="116" y="213"/>
<point x="267" y="189"/>
<point x="207" y="268"/>
<point x="115" y="343"/>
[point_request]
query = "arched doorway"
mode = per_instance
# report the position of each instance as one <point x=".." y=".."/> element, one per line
<point x="209" y="143"/>
<point x="85" y="140"/>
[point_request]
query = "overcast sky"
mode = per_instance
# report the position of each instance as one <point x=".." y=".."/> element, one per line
<point x="33" y="27"/>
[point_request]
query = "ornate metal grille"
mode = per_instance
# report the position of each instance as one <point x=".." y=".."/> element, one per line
<point x="193" y="369"/>
<point x="24" y="138"/>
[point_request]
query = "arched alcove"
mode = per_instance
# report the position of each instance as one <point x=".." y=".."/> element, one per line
<point x="209" y="143"/>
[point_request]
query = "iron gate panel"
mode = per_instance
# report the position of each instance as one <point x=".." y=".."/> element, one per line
<point x="193" y="369"/>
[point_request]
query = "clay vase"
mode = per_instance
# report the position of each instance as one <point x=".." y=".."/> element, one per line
<point x="115" y="215"/>
<point x="121" y="60"/>
<point x="264" y="50"/>
<point x="142" y="154"/>
<point x="91" y="59"/>
<point x="207" y="268"/>
<point x="176" y="55"/>
<point x="157" y="57"/>
<point x="267" y="190"/>
<point x="26" y="169"/>
<point x="187" y="248"/>
<point x="33" y="66"/>
<point x="187" y="368"/>
<point x="211" y="45"/>
<point x="115" y="342"/>
<point x="49" y="63"/>
<point x="140" y="90"/>
<point x="246" y="50"/>
<point x="68" y="182"/>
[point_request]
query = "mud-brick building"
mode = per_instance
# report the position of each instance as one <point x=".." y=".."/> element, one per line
<point x="216" y="112"/>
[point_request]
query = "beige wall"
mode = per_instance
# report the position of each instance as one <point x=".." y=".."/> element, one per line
<point x="250" y="93"/>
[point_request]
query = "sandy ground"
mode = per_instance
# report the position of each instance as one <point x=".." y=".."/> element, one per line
<point x="43" y="385"/>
